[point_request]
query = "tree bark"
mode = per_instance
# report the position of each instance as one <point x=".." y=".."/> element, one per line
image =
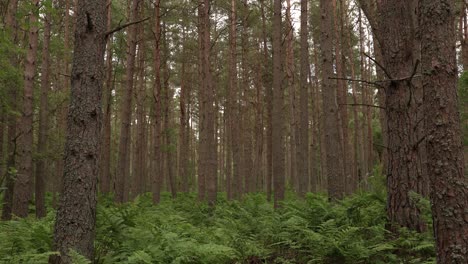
<point x="303" y="146"/>
<point x="11" y="23"/>
<point x="157" y="90"/>
<point x="123" y="163"/>
<point x="207" y="162"/>
<point x="22" y="190"/>
<point x="141" y="140"/>
<point x="394" y="26"/>
<point x="76" y="215"/>
<point x="105" y="157"/>
<point x="334" y="161"/>
<point x="278" y="122"/>
<point x="43" y="121"/>
<point x="232" y="147"/>
<point x="449" y="185"/>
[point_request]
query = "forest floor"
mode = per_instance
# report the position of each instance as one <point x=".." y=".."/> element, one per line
<point x="183" y="230"/>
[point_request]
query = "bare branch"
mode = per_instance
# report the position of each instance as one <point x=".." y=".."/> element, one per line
<point x="120" y="27"/>
<point x="368" y="105"/>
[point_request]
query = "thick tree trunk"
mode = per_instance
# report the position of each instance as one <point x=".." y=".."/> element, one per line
<point x="303" y="146"/>
<point x="76" y="215"/>
<point x="334" y="161"/>
<point x="22" y="190"/>
<point x="123" y="163"/>
<point x="278" y="122"/>
<point x="43" y="121"/>
<point x="394" y="26"/>
<point x="449" y="185"/>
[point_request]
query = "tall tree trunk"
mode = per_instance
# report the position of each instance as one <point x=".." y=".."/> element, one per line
<point x="184" y="154"/>
<point x="24" y="180"/>
<point x="303" y="146"/>
<point x="342" y="89"/>
<point x="449" y="185"/>
<point x="269" y="108"/>
<point x="75" y="224"/>
<point x="334" y="161"/>
<point x="43" y="121"/>
<point x="11" y="23"/>
<point x="245" y="109"/>
<point x="394" y="28"/>
<point x="232" y="145"/>
<point x="207" y="146"/>
<point x="140" y="160"/>
<point x="63" y="111"/>
<point x="167" y="93"/>
<point x="123" y="163"/>
<point x="157" y="90"/>
<point x="278" y="122"/>
<point x="105" y="156"/>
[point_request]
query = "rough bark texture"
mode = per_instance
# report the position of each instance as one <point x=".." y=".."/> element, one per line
<point x="278" y="122"/>
<point x="22" y="190"/>
<point x="303" y="146"/>
<point x="43" y="121"/>
<point x="123" y="163"/>
<point x="76" y="215"/>
<point x="334" y="161"/>
<point x="395" y="28"/>
<point x="449" y="185"/>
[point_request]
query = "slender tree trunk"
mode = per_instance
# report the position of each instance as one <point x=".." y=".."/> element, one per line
<point x="11" y="23"/>
<point x="24" y="180"/>
<point x="123" y="163"/>
<point x="207" y="146"/>
<point x="63" y="111"/>
<point x="157" y="90"/>
<point x="75" y="224"/>
<point x="278" y="122"/>
<point x="303" y="146"/>
<point x="342" y="89"/>
<point x="231" y="106"/>
<point x="269" y="108"/>
<point x="449" y="185"/>
<point x="166" y="120"/>
<point x="140" y="160"/>
<point x="334" y="161"/>
<point x="184" y="119"/>
<point x="105" y="177"/>
<point x="43" y="121"/>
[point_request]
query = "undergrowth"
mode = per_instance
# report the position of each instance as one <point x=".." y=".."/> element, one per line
<point x="247" y="231"/>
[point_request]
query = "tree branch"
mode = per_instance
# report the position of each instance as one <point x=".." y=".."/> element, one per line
<point x="120" y="27"/>
<point x="379" y="86"/>
<point x="375" y="106"/>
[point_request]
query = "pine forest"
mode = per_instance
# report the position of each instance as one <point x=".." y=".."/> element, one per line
<point x="234" y="131"/>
